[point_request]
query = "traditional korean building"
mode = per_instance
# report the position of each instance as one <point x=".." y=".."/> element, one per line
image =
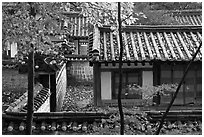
<point x="153" y="55"/>
<point x="78" y="64"/>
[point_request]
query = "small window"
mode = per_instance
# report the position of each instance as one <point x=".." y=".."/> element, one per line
<point x="130" y="82"/>
<point x="83" y="49"/>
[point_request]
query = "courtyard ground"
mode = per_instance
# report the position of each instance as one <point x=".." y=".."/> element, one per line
<point x="79" y="97"/>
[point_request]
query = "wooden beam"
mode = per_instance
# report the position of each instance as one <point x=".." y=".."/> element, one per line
<point x="126" y="46"/>
<point x="155" y="45"/>
<point x="112" y="47"/>
<point x="148" y="46"/>
<point x="184" y="46"/>
<point x="177" y="46"/>
<point x="140" y="45"/>
<point x="133" y="45"/>
<point x="162" y="45"/>
<point x="170" y="46"/>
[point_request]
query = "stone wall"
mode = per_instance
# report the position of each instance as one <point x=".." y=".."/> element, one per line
<point x="79" y="71"/>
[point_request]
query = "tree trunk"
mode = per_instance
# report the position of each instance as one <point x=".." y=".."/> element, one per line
<point x="120" y="74"/>
<point x="30" y="92"/>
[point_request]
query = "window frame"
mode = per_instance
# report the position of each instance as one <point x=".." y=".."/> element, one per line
<point x="125" y="71"/>
<point x="175" y="69"/>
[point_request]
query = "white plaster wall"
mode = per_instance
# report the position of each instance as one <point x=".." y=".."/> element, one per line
<point x="106" y="85"/>
<point x="13" y="49"/>
<point x="147" y="78"/>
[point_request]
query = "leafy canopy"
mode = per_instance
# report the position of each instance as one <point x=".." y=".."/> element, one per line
<point x="26" y="22"/>
<point x="33" y="22"/>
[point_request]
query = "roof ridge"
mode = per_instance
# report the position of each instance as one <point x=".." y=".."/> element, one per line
<point x="172" y="27"/>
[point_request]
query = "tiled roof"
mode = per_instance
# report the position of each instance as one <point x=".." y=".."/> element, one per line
<point x="52" y="121"/>
<point x="189" y="17"/>
<point x="77" y="24"/>
<point x="39" y="100"/>
<point x="146" y="43"/>
<point x="20" y="105"/>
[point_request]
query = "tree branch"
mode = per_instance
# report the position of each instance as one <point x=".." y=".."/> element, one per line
<point x="127" y="17"/>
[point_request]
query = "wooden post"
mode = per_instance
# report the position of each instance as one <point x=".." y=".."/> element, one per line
<point x="30" y="92"/>
<point x="120" y="73"/>
<point x="53" y="89"/>
<point x="96" y="84"/>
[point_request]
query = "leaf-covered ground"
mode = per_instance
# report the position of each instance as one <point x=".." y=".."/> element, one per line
<point x="80" y="98"/>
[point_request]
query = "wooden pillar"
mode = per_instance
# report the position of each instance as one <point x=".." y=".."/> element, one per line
<point x="184" y="87"/>
<point x="53" y="93"/>
<point x="96" y="78"/>
<point x="156" y="73"/>
<point x="30" y="101"/>
<point x="195" y="83"/>
<point x="172" y="77"/>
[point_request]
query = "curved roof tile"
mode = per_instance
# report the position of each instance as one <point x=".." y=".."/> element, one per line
<point x="147" y="43"/>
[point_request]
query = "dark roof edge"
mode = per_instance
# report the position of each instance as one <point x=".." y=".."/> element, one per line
<point x="72" y="14"/>
<point x="186" y="12"/>
<point x="155" y="27"/>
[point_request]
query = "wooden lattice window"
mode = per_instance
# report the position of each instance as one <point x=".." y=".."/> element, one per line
<point x="191" y="89"/>
<point x="130" y="79"/>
